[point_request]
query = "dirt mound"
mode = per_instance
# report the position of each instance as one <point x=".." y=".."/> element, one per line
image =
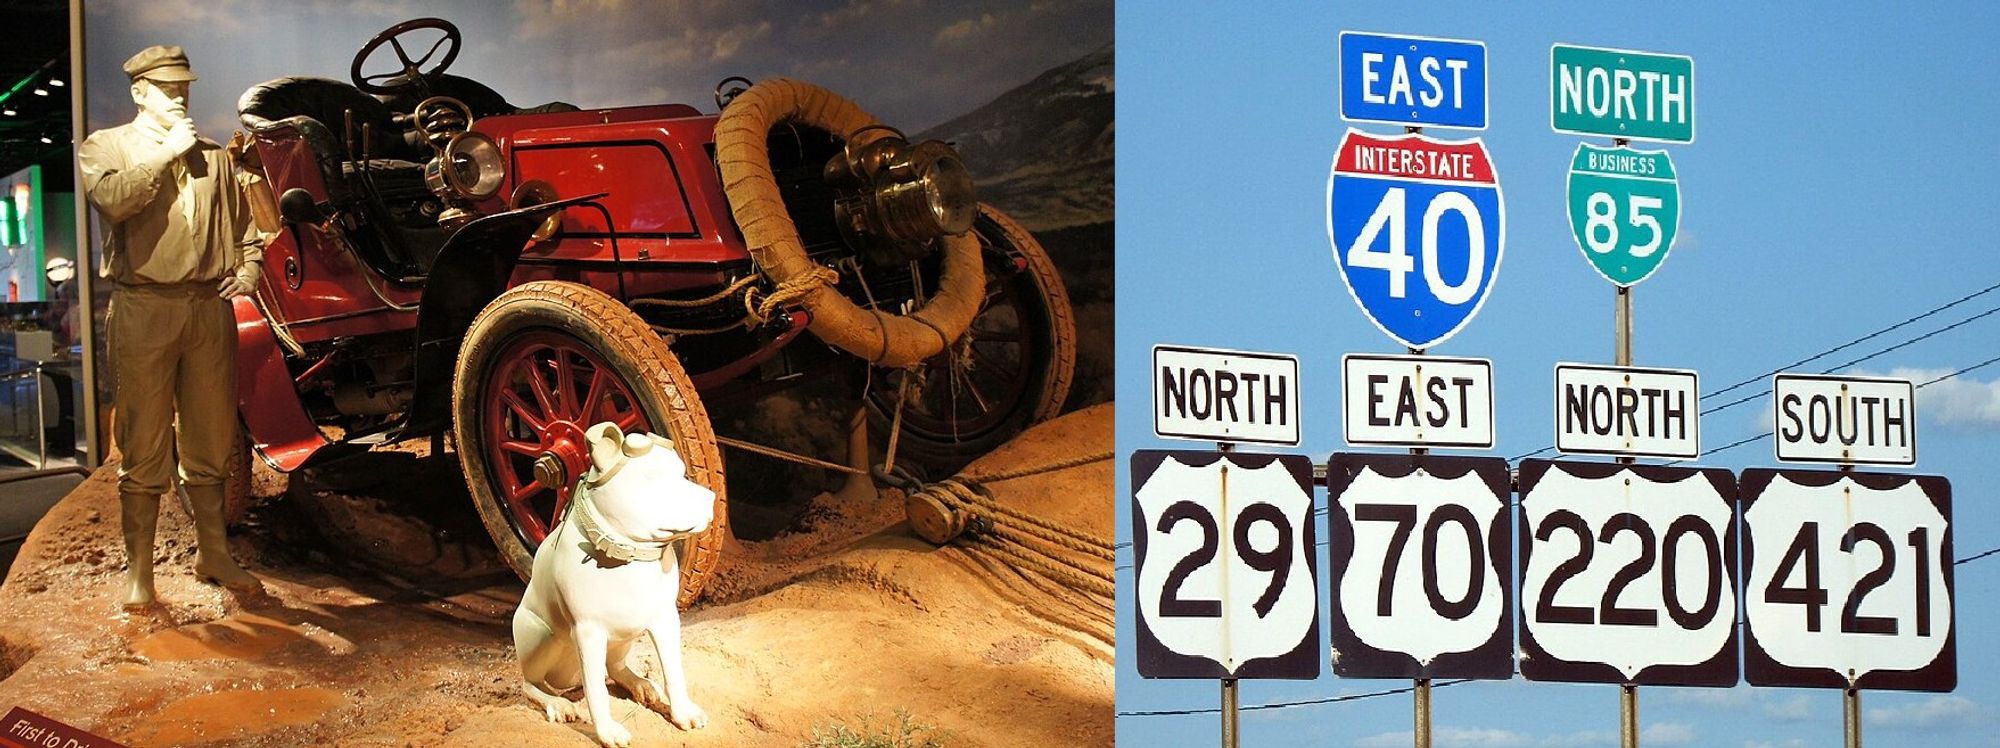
<point x="846" y="618"/>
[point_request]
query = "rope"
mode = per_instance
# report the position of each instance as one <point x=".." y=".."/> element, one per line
<point x="787" y="292"/>
<point x="703" y="301"/>
<point x="965" y="497"/>
<point x="788" y="456"/>
<point x="1049" y="468"/>
<point x="1083" y="582"/>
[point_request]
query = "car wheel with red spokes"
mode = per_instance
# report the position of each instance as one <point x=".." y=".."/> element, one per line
<point x="539" y="366"/>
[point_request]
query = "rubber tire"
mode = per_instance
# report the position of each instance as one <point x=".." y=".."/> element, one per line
<point x="1046" y="395"/>
<point x="635" y="354"/>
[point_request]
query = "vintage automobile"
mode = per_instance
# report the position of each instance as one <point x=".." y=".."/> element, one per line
<point x="448" y="264"/>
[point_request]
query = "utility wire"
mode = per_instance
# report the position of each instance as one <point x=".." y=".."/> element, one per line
<point x="1934" y="380"/>
<point x="1852" y="343"/>
<point x="1832" y="369"/>
<point x="1284" y="704"/>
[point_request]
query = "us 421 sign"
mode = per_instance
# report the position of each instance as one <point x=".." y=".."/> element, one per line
<point x="1418" y="228"/>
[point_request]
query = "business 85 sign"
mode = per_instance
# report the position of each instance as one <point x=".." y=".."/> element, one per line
<point x="1417" y="226"/>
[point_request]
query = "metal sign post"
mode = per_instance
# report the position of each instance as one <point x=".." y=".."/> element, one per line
<point x="1229" y="711"/>
<point x="1628" y="694"/>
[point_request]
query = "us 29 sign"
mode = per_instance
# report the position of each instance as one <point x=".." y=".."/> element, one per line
<point x="1417" y="227"/>
<point x="1224" y="557"/>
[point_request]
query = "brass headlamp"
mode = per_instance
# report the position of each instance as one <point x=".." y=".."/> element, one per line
<point x="893" y="198"/>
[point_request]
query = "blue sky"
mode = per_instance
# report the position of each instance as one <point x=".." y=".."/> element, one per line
<point x="1839" y="183"/>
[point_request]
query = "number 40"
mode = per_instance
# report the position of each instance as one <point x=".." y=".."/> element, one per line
<point x="1396" y="259"/>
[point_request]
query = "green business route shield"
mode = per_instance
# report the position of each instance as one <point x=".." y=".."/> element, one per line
<point x="1624" y="209"/>
<point x="1621" y="93"/>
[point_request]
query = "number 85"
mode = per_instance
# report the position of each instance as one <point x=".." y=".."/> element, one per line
<point x="1601" y="208"/>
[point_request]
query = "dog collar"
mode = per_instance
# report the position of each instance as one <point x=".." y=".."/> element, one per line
<point x="606" y="540"/>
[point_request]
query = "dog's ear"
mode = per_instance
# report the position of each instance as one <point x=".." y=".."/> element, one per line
<point x="607" y="452"/>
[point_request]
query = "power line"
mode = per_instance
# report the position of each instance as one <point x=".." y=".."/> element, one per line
<point x="1852" y="343"/>
<point x="1284" y="704"/>
<point x="1832" y="369"/>
<point x="1934" y="380"/>
<point x="1836" y="349"/>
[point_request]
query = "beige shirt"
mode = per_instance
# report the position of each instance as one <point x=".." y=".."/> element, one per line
<point x="171" y="219"/>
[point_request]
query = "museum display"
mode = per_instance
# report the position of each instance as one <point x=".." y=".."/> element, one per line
<point x="448" y="262"/>
<point x="179" y="244"/>
<point x="605" y="578"/>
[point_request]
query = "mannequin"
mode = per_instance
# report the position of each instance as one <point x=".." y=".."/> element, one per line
<point x="179" y="243"/>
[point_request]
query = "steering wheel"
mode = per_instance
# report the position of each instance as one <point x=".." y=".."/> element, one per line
<point x="412" y="74"/>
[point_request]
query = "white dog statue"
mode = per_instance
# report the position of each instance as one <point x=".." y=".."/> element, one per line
<point x="607" y="574"/>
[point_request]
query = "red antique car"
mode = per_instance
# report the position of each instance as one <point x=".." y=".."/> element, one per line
<point x="447" y="263"/>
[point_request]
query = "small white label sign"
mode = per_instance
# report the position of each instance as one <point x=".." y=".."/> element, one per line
<point x="1417" y="401"/>
<point x="1217" y="395"/>
<point x="1629" y="411"/>
<point x="1856" y="420"/>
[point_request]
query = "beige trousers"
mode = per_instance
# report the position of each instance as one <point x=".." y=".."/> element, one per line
<point x="173" y="350"/>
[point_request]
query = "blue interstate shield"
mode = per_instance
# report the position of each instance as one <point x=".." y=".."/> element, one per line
<point x="1418" y="230"/>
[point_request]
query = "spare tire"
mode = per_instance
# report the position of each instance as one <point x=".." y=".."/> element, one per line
<point x="743" y="155"/>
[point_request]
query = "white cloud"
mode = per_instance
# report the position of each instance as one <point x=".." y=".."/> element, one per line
<point x="1659" y="733"/>
<point x="1961" y="400"/>
<point x="1726" y="698"/>
<point x="964" y="29"/>
<point x="1937" y="711"/>
<point x="1668" y="734"/>
<point x="1798" y="708"/>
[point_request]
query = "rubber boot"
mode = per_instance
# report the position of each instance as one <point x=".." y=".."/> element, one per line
<point x="212" y="562"/>
<point x="140" y="516"/>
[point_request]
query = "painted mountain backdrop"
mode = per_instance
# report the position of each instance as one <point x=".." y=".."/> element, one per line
<point x="1043" y="151"/>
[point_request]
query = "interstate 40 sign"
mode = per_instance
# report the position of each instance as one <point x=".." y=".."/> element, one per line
<point x="1418" y="226"/>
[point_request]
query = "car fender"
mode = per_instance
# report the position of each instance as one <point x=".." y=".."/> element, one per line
<point x="471" y="270"/>
<point x="276" y="422"/>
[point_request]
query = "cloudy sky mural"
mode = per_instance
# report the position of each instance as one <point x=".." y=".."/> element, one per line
<point x="913" y="63"/>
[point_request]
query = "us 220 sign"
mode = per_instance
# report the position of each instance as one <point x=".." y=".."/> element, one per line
<point x="1628" y="574"/>
<point x="1417" y="227"/>
<point x="1224" y="560"/>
